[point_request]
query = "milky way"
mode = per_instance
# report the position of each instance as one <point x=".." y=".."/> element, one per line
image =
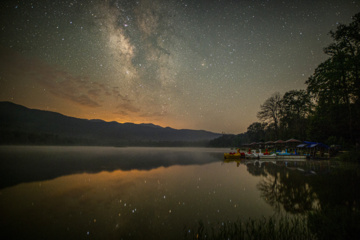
<point x="184" y="64"/>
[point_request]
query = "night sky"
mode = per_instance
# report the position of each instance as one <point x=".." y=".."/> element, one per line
<point x="191" y="64"/>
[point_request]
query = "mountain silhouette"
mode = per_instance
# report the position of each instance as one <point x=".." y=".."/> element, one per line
<point x="21" y="125"/>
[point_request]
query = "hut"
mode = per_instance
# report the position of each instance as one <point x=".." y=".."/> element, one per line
<point x="279" y="144"/>
<point x="292" y="143"/>
<point x="315" y="149"/>
<point x="269" y="144"/>
<point x="261" y="145"/>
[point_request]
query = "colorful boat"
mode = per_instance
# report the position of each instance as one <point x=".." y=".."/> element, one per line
<point x="233" y="155"/>
<point x="290" y="155"/>
<point x="251" y="154"/>
<point x="260" y="155"/>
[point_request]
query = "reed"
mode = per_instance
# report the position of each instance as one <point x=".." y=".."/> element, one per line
<point x="284" y="227"/>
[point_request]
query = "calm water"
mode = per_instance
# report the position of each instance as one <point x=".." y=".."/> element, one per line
<point x="154" y="193"/>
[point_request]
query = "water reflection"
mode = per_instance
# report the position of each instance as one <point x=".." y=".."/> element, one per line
<point x="300" y="186"/>
<point x="146" y="193"/>
<point x="21" y="164"/>
<point x="128" y="204"/>
<point x="288" y="189"/>
<point x="324" y="191"/>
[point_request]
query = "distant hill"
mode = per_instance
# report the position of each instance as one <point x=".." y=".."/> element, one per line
<point x="21" y="125"/>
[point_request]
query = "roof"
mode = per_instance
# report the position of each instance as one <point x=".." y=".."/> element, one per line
<point x="313" y="144"/>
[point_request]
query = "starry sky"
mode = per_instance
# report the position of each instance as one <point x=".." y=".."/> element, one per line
<point x="194" y="64"/>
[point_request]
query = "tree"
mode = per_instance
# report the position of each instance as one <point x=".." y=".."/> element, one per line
<point x="270" y="112"/>
<point x="256" y="131"/>
<point x="335" y="84"/>
<point x="347" y="43"/>
<point x="295" y="108"/>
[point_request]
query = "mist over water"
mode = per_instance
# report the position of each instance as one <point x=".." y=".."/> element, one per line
<point x="146" y="193"/>
<point x="26" y="164"/>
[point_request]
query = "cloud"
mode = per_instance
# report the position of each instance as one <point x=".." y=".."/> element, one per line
<point x="94" y="92"/>
<point x="74" y="88"/>
<point x="17" y="69"/>
<point x="152" y="114"/>
<point x="83" y="100"/>
<point x="127" y="107"/>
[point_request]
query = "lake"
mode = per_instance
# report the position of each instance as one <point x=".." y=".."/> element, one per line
<point x="156" y="193"/>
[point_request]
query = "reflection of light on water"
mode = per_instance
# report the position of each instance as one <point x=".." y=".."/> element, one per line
<point x="109" y="205"/>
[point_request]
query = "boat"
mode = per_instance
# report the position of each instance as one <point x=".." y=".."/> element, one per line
<point x="233" y="155"/>
<point x="287" y="155"/>
<point x="266" y="155"/>
<point x="283" y="153"/>
<point x="251" y="154"/>
<point x="260" y="155"/>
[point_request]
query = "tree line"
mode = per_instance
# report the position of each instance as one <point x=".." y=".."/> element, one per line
<point x="328" y="110"/>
